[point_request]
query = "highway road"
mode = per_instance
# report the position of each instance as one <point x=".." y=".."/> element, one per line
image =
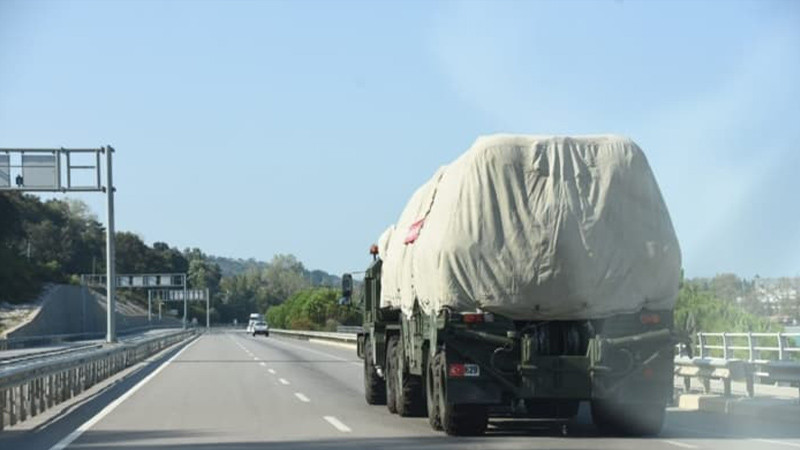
<point x="229" y="390"/>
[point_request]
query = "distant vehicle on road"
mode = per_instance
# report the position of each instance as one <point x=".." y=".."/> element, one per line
<point x="260" y="328"/>
<point x="254" y="317"/>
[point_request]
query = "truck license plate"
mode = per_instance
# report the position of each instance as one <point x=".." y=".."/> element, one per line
<point x="472" y="370"/>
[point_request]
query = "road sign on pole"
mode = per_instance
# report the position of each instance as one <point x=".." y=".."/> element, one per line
<point x="46" y="170"/>
<point x="185" y="296"/>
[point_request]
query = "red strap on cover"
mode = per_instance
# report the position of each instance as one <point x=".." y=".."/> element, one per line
<point x="413" y="231"/>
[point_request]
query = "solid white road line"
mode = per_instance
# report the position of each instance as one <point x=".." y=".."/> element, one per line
<point x="64" y="443"/>
<point x="337" y="424"/>
<point x="772" y="441"/>
<point x="272" y="371"/>
<point x="301" y="397"/>
<point x="283" y="381"/>
<point x="678" y="443"/>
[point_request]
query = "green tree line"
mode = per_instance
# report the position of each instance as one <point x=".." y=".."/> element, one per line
<point x="313" y="309"/>
<point x="54" y="241"/>
<point x="700" y="308"/>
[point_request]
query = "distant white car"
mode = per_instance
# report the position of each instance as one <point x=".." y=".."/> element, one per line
<point x="260" y="328"/>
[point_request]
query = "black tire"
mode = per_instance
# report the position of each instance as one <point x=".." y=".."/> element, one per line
<point x="374" y="386"/>
<point x="391" y="388"/>
<point x="432" y="396"/>
<point x="628" y="419"/>
<point x="461" y="419"/>
<point x="410" y="392"/>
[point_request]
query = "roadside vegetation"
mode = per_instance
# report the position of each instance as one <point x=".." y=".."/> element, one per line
<point x="699" y="308"/>
<point x="313" y="309"/>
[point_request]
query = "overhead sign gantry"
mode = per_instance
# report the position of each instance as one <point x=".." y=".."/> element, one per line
<point x="67" y="170"/>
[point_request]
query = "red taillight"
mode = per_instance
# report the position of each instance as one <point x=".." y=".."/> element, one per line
<point x="456" y="370"/>
<point x="472" y="318"/>
<point x="650" y="319"/>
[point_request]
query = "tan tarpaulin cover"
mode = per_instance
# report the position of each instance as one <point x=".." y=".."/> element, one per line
<point x="536" y="227"/>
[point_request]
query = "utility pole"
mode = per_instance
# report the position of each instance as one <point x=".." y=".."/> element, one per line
<point x="208" y="311"/>
<point x="111" y="278"/>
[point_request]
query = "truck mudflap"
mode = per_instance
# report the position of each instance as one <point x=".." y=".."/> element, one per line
<point x="475" y="392"/>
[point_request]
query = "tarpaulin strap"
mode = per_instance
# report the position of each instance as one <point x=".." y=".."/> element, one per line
<point x="416" y="227"/>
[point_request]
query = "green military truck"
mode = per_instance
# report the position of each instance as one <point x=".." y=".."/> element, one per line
<point x="531" y="274"/>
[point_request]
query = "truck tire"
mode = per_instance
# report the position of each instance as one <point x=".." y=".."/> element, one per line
<point x="461" y="419"/>
<point x="432" y="396"/>
<point x="410" y="392"/>
<point x="628" y="419"/>
<point x="391" y="388"/>
<point x="374" y="387"/>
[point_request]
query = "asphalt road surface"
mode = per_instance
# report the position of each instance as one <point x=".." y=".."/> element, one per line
<point x="229" y="390"/>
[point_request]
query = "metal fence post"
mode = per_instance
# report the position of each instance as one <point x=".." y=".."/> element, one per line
<point x="781" y="345"/>
<point x="750" y="345"/>
<point x="701" y="343"/>
<point x="725" y="345"/>
<point x="2" y="408"/>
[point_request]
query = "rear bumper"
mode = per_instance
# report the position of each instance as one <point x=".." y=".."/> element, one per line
<point x="639" y="369"/>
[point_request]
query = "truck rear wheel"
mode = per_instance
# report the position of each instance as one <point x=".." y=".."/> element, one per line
<point x="461" y="419"/>
<point x="391" y="379"/>
<point x="629" y="419"/>
<point x="432" y="396"/>
<point x="409" y="393"/>
<point x="374" y="387"/>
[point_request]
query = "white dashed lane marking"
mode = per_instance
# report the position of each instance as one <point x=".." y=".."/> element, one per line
<point x="337" y="424"/>
<point x="678" y="443"/>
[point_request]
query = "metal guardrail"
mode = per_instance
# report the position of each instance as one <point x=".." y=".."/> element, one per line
<point x="728" y="351"/>
<point x="731" y="345"/>
<point x="714" y="369"/>
<point x="349" y="329"/>
<point x="15" y="359"/>
<point x="35" y="341"/>
<point x="331" y="336"/>
<point x="29" y="389"/>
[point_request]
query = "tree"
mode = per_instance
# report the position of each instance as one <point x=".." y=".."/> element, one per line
<point x="203" y="274"/>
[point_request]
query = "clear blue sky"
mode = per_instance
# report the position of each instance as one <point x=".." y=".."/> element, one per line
<point x="254" y="128"/>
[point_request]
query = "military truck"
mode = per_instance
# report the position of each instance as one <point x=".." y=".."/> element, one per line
<point x="530" y="275"/>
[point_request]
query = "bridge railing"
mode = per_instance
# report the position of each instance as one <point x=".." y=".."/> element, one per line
<point x="27" y="390"/>
<point x="753" y="347"/>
